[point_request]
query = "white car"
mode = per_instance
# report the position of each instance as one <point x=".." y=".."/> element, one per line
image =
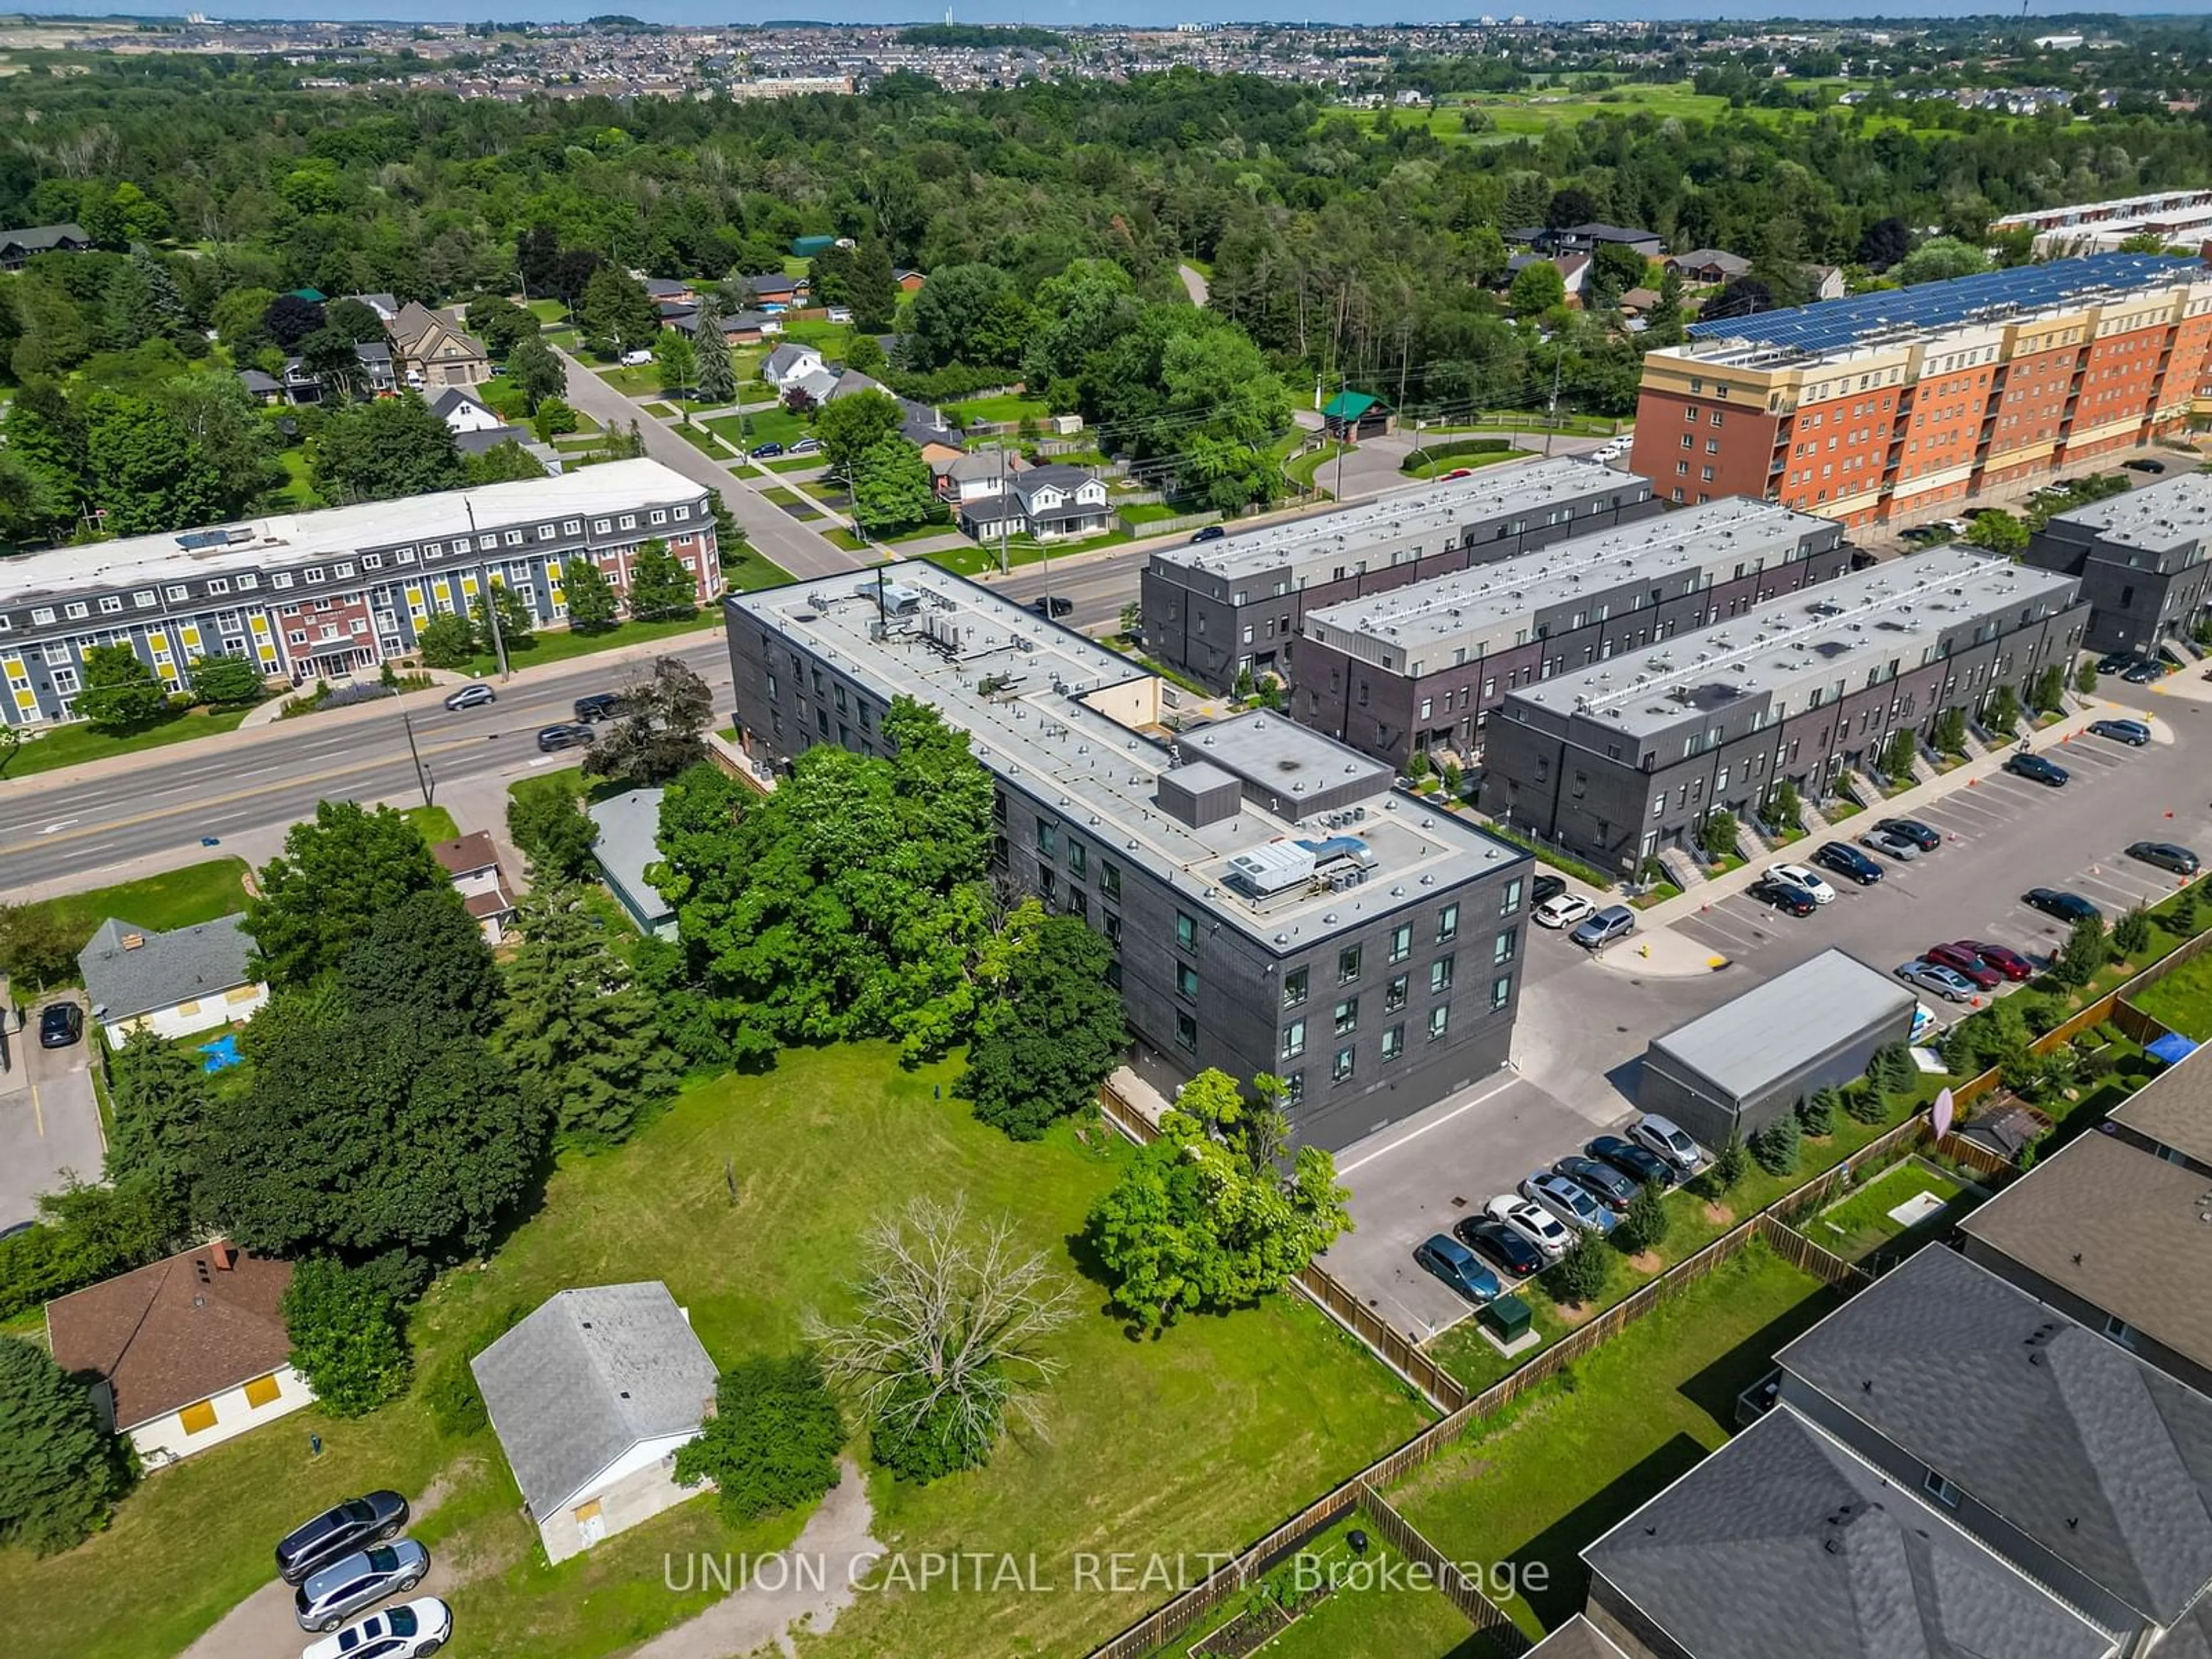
<point x="635" y="359"/>
<point x="1534" y="1222"/>
<point x="1564" y="911"/>
<point x="413" y="1630"/>
<point x="1797" y="875"/>
<point x="1666" y="1139"/>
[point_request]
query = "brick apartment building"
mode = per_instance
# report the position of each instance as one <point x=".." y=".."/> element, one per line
<point x="1893" y="403"/>
<point x="1422" y="666"/>
<point x="1214" y="610"/>
<point x="1614" y="762"/>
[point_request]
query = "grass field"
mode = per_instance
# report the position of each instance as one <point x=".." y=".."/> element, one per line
<point x="433" y="824"/>
<point x="1007" y="407"/>
<point x="175" y="898"/>
<point x="72" y="745"/>
<point x="2183" y="999"/>
<point x="298" y="486"/>
<point x="1573" y="1456"/>
<point x="770" y="426"/>
<point x="1373" y="1607"/>
<point x="1530" y="115"/>
<point x="1860" y="1224"/>
<point x="561" y="644"/>
<point x="749" y="1198"/>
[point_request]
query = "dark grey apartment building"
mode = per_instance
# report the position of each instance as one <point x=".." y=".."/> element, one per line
<point x="1274" y="902"/>
<point x="1213" y="609"/>
<point x="2144" y="560"/>
<point x="1422" y="666"/>
<point x="1613" y="762"/>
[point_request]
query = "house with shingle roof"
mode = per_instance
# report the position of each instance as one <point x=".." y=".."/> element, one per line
<point x="183" y="1353"/>
<point x="17" y="247"/>
<point x="590" y="1396"/>
<point x="173" y="984"/>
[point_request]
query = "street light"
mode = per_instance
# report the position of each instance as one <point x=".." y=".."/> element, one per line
<point x="424" y="779"/>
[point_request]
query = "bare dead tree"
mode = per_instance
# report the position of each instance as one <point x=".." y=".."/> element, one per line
<point x="951" y="1326"/>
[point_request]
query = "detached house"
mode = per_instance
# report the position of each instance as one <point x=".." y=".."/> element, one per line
<point x="173" y="984"/>
<point x="471" y="865"/>
<point x="1708" y="264"/>
<point x="17" y="247"/>
<point x="463" y="413"/>
<point x="789" y="365"/>
<point x="432" y="351"/>
<point x="1050" y="503"/>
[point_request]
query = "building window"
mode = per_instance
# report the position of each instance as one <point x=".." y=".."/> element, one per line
<point x="1348" y="1016"/>
<point x="1348" y="964"/>
<point x="111" y="605"/>
<point x="65" y="681"/>
<point x="197" y="1418"/>
<point x="1503" y="947"/>
<point x="1186" y="1030"/>
<point x="1109" y="880"/>
<point x="1439" y="1019"/>
<point x="1941" y="1490"/>
<point x="1448" y="922"/>
<point x="1393" y="994"/>
<point x="1294" y="1039"/>
<point x="1047" y="831"/>
<point x="1340" y="1068"/>
<point x="1186" y="981"/>
<point x="1113" y="929"/>
<point x="1509" y="901"/>
<point x="1394" y="1042"/>
<point x="1501" y="992"/>
<point x="262" y="1391"/>
<point x="1078" y="859"/>
<point x="1186" y="931"/>
<point x="1294" y="986"/>
<point x="1401" y="941"/>
<point x="2120" y="1332"/>
<point x="1440" y="975"/>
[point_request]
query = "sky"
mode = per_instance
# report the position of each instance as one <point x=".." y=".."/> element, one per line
<point x="1072" y="12"/>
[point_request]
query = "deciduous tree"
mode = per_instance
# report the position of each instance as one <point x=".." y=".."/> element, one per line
<point x="388" y="448"/>
<point x="347" y="1336"/>
<point x="773" y="1441"/>
<point x="893" y="490"/>
<point x="553" y="831"/>
<point x="849" y="428"/>
<point x="659" y="586"/>
<point x="1051" y="1030"/>
<point x="617" y="309"/>
<point x="120" y="693"/>
<point x="424" y="956"/>
<point x="339" y="871"/>
<point x="673" y="356"/>
<point x="657" y="733"/>
<point x="446" y="641"/>
<point x="534" y="369"/>
<point x="590" y="597"/>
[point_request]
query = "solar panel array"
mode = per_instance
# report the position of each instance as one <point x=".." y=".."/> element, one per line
<point x="1832" y="325"/>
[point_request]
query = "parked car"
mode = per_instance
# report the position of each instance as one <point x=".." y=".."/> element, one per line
<point x="1601" y="1181"/>
<point x="2009" y="963"/>
<point x="1052" y="606"/>
<point x="1666" y="1140"/>
<point x="355" y="1582"/>
<point x="1797" y="875"/>
<point x="565" y="736"/>
<point x="1847" y="860"/>
<point x="2057" y="902"/>
<point x="1946" y="982"/>
<point x="2133" y="733"/>
<point x="2116" y="662"/>
<point x="337" y="1532"/>
<point x="1453" y="1262"/>
<point x="1924" y="836"/>
<point x="1632" y="1160"/>
<point x="1564" y="911"/>
<point x="806" y="446"/>
<point x="60" y="1025"/>
<point x="636" y="358"/>
<point x="1456" y="473"/>
<point x="472" y="695"/>
<point x="413" y="1630"/>
<point x="1212" y="533"/>
<point x="766" y="451"/>
<point x="1771" y="889"/>
<point x="1535" y="1224"/>
<point x="1890" y="842"/>
<point x="1568" y="1201"/>
<point x="2036" y="769"/>
<point x="1967" y="964"/>
<point x="2143" y="672"/>
<point x="2166" y="855"/>
<point x="838" y="314"/>
<point x="2144" y="464"/>
<point x="600" y="706"/>
<point x="1506" y="1251"/>
<point x="1614" y="922"/>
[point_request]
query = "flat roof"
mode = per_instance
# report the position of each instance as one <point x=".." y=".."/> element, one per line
<point x="1836" y="632"/>
<point x="1776" y="1028"/>
<point x="2175" y="1108"/>
<point x="2128" y="1232"/>
<point x="282" y="538"/>
<point x="1926" y="308"/>
<point x="1315" y="544"/>
<point x="1016" y="685"/>
<point x="2169" y="514"/>
<point x="1482" y="608"/>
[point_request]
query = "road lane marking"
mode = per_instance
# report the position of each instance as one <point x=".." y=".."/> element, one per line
<point x="58" y="824"/>
<point x="38" y="1112"/>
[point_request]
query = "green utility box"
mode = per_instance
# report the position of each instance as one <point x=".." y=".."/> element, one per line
<point x="1508" y="1318"/>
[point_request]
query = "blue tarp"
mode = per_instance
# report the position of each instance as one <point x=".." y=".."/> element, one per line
<point x="2173" y="1047"/>
<point x="220" y="1053"/>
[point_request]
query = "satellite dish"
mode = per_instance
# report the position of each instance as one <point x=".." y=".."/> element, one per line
<point x="1940" y="1116"/>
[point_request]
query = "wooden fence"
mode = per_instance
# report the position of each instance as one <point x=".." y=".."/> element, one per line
<point x="1451" y="1581"/>
<point x="1443" y="1390"/>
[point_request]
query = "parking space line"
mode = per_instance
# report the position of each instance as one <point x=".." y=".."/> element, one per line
<point x="1506" y="1082"/>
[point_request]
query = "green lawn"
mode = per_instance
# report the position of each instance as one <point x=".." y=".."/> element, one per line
<point x="1006" y="407"/>
<point x="769" y="426"/>
<point x="1529" y="115"/>
<point x="921" y="532"/>
<point x="1437" y="469"/>
<point x="2183" y="999"/>
<point x="1301" y="469"/>
<point x="299" y="487"/>
<point x="1860" y="1224"/>
<point x="560" y="644"/>
<point x="72" y="745"/>
<point x="433" y="824"/>
<point x="641" y="381"/>
<point x="1575" y="1455"/>
<point x="547" y="311"/>
<point x="1373" y="1607"/>
<point x="748" y="1197"/>
<point x="175" y="898"/>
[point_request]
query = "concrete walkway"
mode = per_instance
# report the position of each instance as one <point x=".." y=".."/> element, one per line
<point x="806" y="1587"/>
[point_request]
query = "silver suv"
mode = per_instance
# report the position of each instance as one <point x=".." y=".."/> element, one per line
<point x="348" y="1586"/>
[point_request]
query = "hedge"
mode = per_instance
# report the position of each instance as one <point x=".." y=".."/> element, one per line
<point x="949" y="384"/>
<point x="1574" y="867"/>
<point x="1421" y="458"/>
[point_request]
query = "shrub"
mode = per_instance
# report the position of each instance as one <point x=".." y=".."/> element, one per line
<point x="2004" y="711"/>
<point x="2085" y="678"/>
<point x="2049" y="691"/>
<point x="1433" y="453"/>
<point x="924" y="1449"/>
<point x="1716" y="835"/>
<point x="1949" y="734"/>
<point x="1785" y="807"/>
<point x="1644" y="1226"/>
<point x="346" y="1338"/>
<point x="1579" y="1276"/>
<point x="1897" y="756"/>
<point x="455" y="1403"/>
<point x="1776" y="1147"/>
<point x="773" y="1442"/>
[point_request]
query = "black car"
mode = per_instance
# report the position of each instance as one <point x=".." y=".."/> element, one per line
<point x="563" y="737"/>
<point x="600" y="706"/>
<point x="60" y="1024"/>
<point x="2166" y="855"/>
<point x="2057" y="902"/>
<point x="2144" y="464"/>
<point x="2143" y="672"/>
<point x="1600" y="1179"/>
<point x="2133" y="733"/>
<point x="1782" y="896"/>
<point x="1212" y="532"/>
<point x="1052" y="606"/>
<point x="1542" y="890"/>
<point x="1632" y="1160"/>
<point x="1500" y="1246"/>
<point x="1920" y="834"/>
<point x="1847" y="860"/>
<point x="767" y="452"/>
<point x="2036" y="769"/>
<point x="337" y="1532"/>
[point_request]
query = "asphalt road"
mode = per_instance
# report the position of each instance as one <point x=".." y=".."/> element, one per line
<point x="774" y="533"/>
<point x="49" y="1120"/>
<point x="161" y="803"/>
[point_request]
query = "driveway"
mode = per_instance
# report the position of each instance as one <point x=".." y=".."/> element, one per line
<point x="49" y="1119"/>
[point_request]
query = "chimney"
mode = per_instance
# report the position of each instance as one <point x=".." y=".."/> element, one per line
<point x="224" y="1255"/>
<point x="132" y="941"/>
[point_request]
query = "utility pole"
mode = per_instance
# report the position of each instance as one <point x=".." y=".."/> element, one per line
<point x="1003" y="552"/>
<point x="1340" y="445"/>
<point x="423" y="780"/>
<point x="483" y="583"/>
<point x="1552" y="408"/>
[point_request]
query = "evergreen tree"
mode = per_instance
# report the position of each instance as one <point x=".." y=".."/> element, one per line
<point x="871" y="288"/>
<point x="713" y="373"/>
<point x="1817" y="1114"/>
<point x="556" y="834"/>
<point x="2131" y="933"/>
<point x="161" y="1103"/>
<point x="60" y="1471"/>
<point x="1775" y="1147"/>
<point x="2086" y="951"/>
<point x="1646" y="1224"/>
<point x="1578" y="1278"/>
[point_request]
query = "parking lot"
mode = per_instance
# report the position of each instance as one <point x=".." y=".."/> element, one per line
<point x="1584" y="1023"/>
<point x="49" y="1120"/>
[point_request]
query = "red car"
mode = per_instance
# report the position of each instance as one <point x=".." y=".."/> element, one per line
<point x="2012" y="965"/>
<point x="1962" y="960"/>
